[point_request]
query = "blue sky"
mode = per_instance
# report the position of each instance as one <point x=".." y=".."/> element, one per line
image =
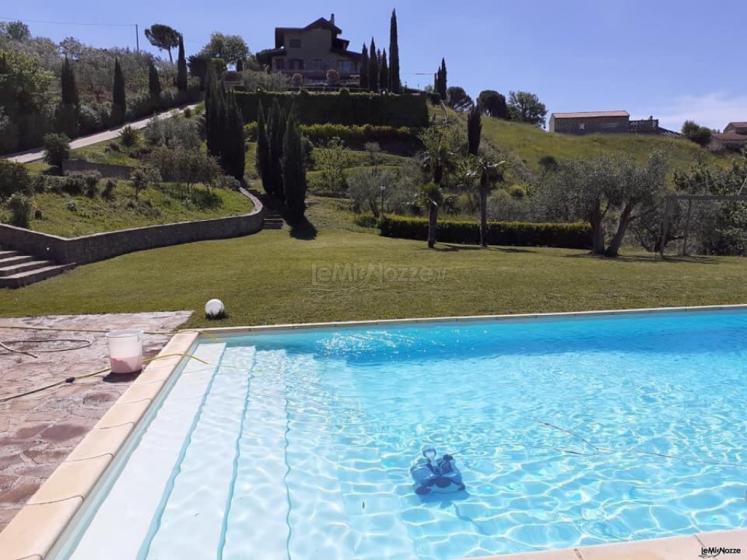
<point x="673" y="59"/>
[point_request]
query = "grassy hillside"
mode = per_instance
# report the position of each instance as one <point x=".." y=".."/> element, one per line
<point x="70" y="216"/>
<point x="530" y="144"/>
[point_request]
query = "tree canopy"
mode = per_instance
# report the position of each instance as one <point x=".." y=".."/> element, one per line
<point x="526" y="107"/>
<point x="163" y="37"/>
<point x="230" y="48"/>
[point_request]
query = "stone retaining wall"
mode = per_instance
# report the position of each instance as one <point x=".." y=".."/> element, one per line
<point x="100" y="246"/>
<point x="106" y="169"/>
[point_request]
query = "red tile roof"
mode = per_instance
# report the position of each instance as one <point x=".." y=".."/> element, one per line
<point x="590" y="114"/>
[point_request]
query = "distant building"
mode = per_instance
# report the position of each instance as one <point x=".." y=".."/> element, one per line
<point x="734" y="136"/>
<point x="311" y="51"/>
<point x="594" y="122"/>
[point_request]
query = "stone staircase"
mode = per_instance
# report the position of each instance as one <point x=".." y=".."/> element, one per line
<point x="272" y="220"/>
<point x="18" y="269"/>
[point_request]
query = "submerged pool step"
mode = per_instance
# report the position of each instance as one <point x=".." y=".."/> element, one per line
<point x="257" y="515"/>
<point x="124" y="519"/>
<point x="191" y="523"/>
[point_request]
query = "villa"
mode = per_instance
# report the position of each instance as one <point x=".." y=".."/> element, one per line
<point x="311" y="51"/>
<point x="592" y="122"/>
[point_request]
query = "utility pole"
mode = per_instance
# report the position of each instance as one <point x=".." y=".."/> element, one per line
<point x="137" y="38"/>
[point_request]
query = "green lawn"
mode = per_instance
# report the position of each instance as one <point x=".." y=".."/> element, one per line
<point x="167" y="203"/>
<point x="270" y="278"/>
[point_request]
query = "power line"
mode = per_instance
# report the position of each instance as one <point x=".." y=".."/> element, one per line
<point x="68" y="22"/>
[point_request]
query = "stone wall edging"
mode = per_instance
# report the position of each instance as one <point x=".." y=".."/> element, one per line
<point x="100" y="246"/>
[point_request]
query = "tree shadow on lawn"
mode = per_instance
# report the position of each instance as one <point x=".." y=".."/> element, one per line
<point x="304" y="230"/>
<point x="452" y="247"/>
<point x="654" y="259"/>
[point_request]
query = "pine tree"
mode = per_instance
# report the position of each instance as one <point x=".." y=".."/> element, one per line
<point x="67" y="113"/>
<point x="373" y="68"/>
<point x="363" y="71"/>
<point x="383" y="71"/>
<point x="154" y="85"/>
<point x="181" y="67"/>
<point x="119" y="102"/>
<point x="474" y="129"/>
<point x="233" y="154"/>
<point x="294" y="174"/>
<point x="395" y="85"/>
<point x="263" y="151"/>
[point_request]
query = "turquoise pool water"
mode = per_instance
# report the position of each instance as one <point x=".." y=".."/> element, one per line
<point x="567" y="431"/>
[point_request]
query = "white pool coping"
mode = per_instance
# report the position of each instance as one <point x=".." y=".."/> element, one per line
<point x="39" y="529"/>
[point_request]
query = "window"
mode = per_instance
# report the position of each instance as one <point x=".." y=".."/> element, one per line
<point x="582" y="126"/>
<point x="280" y="64"/>
<point x="295" y="43"/>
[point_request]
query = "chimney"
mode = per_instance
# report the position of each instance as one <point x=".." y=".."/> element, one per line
<point x="332" y="19"/>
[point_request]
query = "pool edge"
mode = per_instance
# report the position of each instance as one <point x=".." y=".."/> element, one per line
<point x="38" y="527"/>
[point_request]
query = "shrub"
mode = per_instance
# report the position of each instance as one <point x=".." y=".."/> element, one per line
<point x="109" y="186"/>
<point x="20" y="210"/>
<point x="177" y="132"/>
<point x="573" y="236"/>
<point x="142" y="177"/>
<point x="92" y="118"/>
<point x="356" y="108"/>
<point x="333" y="77"/>
<point x="296" y="80"/>
<point x="185" y="166"/>
<point x="74" y="184"/>
<point x="56" y="148"/>
<point x="332" y="161"/>
<point x="187" y="113"/>
<point x="128" y="137"/>
<point x="14" y="178"/>
<point x="91" y="181"/>
<point x="71" y="205"/>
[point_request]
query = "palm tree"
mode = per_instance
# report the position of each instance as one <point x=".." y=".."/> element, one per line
<point x="441" y="147"/>
<point x="487" y="171"/>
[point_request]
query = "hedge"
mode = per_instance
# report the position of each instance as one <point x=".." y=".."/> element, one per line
<point x="397" y="140"/>
<point x="341" y="108"/>
<point x="572" y="236"/>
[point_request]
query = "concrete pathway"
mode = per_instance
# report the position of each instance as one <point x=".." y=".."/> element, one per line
<point x="83" y="141"/>
<point x="38" y="431"/>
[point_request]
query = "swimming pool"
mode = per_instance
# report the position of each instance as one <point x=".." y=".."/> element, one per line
<point x="567" y="431"/>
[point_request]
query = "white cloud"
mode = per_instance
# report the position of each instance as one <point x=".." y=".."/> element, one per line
<point x="713" y="110"/>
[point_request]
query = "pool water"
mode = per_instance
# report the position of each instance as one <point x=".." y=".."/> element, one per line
<point x="567" y="431"/>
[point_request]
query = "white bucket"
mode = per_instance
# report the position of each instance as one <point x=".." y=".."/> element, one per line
<point x="125" y="350"/>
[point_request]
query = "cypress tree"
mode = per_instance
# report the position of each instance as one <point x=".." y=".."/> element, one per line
<point x="263" y="151"/>
<point x="363" y="72"/>
<point x="68" y="84"/>
<point x="395" y="85"/>
<point x="383" y="72"/>
<point x="66" y="117"/>
<point x="119" y="101"/>
<point x="373" y="67"/>
<point x="294" y="174"/>
<point x="181" y="67"/>
<point x="154" y="85"/>
<point x="214" y="114"/>
<point x="444" y="84"/>
<point x="233" y="156"/>
<point x="276" y="133"/>
<point x="474" y="129"/>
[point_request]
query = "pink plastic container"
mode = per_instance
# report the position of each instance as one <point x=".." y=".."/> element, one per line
<point x="125" y="350"/>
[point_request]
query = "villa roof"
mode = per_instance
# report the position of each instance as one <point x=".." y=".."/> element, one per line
<point x="321" y="23"/>
<point x="590" y="114"/>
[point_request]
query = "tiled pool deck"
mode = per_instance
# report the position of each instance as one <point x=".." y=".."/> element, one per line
<point x="39" y="431"/>
<point x="33" y="532"/>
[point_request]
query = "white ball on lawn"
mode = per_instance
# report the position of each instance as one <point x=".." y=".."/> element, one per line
<point x="214" y="308"/>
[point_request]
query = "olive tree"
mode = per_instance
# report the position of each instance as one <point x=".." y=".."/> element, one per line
<point x="606" y="192"/>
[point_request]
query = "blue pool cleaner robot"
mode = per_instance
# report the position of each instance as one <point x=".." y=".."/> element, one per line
<point x="436" y="475"/>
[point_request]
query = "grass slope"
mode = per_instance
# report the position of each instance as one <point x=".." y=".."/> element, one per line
<point x="530" y="144"/>
<point x="269" y="278"/>
<point x="158" y="205"/>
